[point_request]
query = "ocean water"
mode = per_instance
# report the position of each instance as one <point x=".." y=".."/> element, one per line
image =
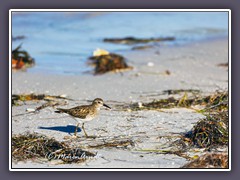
<point x="61" y="42"/>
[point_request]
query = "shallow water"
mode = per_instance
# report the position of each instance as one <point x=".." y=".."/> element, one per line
<point x="61" y="42"/>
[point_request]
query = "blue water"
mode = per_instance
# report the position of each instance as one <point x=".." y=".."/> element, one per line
<point x="61" y="42"/>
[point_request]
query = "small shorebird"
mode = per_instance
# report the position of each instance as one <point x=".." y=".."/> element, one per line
<point x="84" y="113"/>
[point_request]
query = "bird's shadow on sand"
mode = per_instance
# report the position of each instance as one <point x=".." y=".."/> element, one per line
<point x="67" y="129"/>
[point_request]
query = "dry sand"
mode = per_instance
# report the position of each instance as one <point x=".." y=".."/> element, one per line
<point x="191" y="66"/>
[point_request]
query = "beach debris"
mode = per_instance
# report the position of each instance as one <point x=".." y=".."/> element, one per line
<point x="167" y="72"/>
<point x="113" y="143"/>
<point x="109" y="63"/>
<point x="177" y="152"/>
<point x="133" y="40"/>
<point x="28" y="97"/>
<point x="36" y="146"/>
<point x="30" y="110"/>
<point x="100" y="52"/>
<point x="52" y="101"/>
<point x="191" y="92"/>
<point x="140" y="104"/>
<point x="164" y="73"/>
<point x="218" y="100"/>
<point x="21" y="59"/>
<point x="210" y="132"/>
<point x="179" y="91"/>
<point x="51" y="104"/>
<point x="15" y="38"/>
<point x="33" y="97"/>
<point x="223" y="64"/>
<point x="142" y="47"/>
<point x="17" y="64"/>
<point x="63" y="96"/>
<point x="150" y="64"/>
<point x="209" y="160"/>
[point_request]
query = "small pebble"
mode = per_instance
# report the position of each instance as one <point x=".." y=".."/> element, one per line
<point x="150" y="64"/>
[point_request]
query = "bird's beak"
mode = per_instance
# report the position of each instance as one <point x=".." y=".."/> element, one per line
<point x="107" y="106"/>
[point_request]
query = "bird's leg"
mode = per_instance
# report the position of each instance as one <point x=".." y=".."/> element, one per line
<point x="84" y="130"/>
<point x="75" y="133"/>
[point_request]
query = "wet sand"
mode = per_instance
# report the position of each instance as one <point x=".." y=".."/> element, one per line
<point x="191" y="66"/>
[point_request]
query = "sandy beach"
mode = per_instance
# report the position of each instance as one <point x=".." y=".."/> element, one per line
<point x="192" y="66"/>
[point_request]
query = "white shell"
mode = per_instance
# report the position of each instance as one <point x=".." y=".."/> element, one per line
<point x="30" y="110"/>
<point x="99" y="52"/>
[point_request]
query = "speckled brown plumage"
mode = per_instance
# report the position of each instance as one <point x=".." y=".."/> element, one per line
<point x="84" y="112"/>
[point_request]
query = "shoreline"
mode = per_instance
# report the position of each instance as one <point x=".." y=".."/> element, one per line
<point x="130" y="51"/>
<point x="180" y="61"/>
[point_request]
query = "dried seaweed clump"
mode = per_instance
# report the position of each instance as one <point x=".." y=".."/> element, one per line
<point x="178" y="91"/>
<point x="21" y="59"/>
<point x="133" y="40"/>
<point x="32" y="146"/>
<point x="218" y="101"/>
<point x="36" y="97"/>
<point x="109" y="62"/>
<point x="170" y="102"/>
<point x="28" y="97"/>
<point x="209" y="160"/>
<point x="211" y="131"/>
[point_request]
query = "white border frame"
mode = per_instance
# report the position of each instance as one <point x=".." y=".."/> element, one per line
<point x="116" y="10"/>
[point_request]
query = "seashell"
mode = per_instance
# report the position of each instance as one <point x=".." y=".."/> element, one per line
<point x="30" y="110"/>
<point x="100" y="52"/>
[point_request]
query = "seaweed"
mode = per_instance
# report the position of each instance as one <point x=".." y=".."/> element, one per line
<point x="209" y="160"/>
<point x="210" y="132"/>
<point x="109" y="62"/>
<point x="133" y="40"/>
<point x="36" y="97"/>
<point x="114" y="143"/>
<point x="218" y="100"/>
<point x="28" y="97"/>
<point x="33" y="146"/>
<point x="179" y="153"/>
<point x="50" y="104"/>
<point x="21" y="58"/>
<point x="178" y="91"/>
<point x="51" y="101"/>
<point x="21" y="37"/>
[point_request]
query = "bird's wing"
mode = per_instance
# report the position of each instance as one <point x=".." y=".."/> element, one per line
<point x="79" y="111"/>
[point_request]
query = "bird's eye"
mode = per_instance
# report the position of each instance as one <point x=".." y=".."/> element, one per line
<point x="99" y="102"/>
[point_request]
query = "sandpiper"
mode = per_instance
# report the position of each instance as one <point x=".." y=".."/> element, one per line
<point x="84" y="113"/>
